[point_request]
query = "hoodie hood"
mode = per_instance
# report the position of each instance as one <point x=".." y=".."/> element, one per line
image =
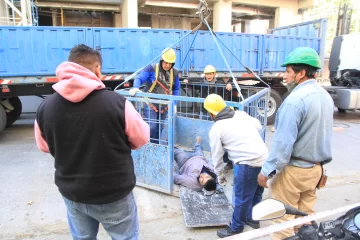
<point x="76" y="82"/>
<point x="226" y="113"/>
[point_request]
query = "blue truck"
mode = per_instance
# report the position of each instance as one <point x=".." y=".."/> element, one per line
<point x="29" y="57"/>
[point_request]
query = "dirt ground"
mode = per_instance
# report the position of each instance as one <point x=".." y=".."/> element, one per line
<point x="32" y="208"/>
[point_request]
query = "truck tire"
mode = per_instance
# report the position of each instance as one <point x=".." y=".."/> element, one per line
<point x="2" y="119"/>
<point x="14" y="115"/>
<point x="274" y="104"/>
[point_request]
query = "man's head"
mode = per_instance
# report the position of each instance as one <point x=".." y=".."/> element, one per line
<point x="207" y="181"/>
<point x="168" y="58"/>
<point x="214" y="104"/>
<point x="301" y="65"/>
<point x="86" y="57"/>
<point x="210" y="73"/>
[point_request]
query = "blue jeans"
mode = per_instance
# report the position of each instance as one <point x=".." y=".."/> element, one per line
<point x="181" y="156"/>
<point x="247" y="194"/>
<point x="156" y="122"/>
<point x="119" y="219"/>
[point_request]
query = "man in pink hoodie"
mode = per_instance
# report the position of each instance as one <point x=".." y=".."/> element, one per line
<point x="90" y="132"/>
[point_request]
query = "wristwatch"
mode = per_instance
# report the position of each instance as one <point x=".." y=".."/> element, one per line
<point x="272" y="174"/>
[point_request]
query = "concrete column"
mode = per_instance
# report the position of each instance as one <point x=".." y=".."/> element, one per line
<point x="129" y="13"/>
<point x="155" y="22"/>
<point x="185" y="23"/>
<point x="117" y="20"/>
<point x="286" y="16"/>
<point x="54" y="17"/>
<point x="222" y="16"/>
<point x="3" y="16"/>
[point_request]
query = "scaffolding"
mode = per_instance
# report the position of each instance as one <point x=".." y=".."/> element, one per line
<point x="18" y="13"/>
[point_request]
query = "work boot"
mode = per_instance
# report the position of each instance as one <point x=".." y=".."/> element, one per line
<point x="226" y="232"/>
<point x="229" y="165"/>
<point x="253" y="224"/>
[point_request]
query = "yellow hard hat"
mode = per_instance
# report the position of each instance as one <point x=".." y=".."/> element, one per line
<point x="214" y="104"/>
<point x="168" y="55"/>
<point x="209" y="69"/>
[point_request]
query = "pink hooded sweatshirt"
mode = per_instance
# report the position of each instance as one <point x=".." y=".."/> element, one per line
<point x="75" y="84"/>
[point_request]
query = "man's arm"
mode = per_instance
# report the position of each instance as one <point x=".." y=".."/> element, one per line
<point x="40" y="141"/>
<point x="217" y="151"/>
<point x="147" y="74"/>
<point x="176" y="86"/>
<point x="284" y="139"/>
<point x="136" y="129"/>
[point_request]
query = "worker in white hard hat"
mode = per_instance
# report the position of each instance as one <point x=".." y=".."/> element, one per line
<point x="210" y="78"/>
<point x="159" y="78"/>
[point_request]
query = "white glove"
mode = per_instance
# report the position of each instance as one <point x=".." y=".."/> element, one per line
<point x="186" y="81"/>
<point x="133" y="91"/>
<point x="222" y="180"/>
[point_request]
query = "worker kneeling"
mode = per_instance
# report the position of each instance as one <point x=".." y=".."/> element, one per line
<point x="238" y="134"/>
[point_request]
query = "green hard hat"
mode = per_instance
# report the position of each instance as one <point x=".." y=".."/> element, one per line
<point x="303" y="55"/>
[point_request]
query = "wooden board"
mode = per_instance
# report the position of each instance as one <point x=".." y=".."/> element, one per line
<point x="203" y="211"/>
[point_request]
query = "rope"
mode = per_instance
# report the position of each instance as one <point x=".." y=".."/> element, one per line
<point x="227" y="65"/>
<point x="246" y="68"/>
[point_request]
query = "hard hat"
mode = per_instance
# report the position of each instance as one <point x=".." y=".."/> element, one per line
<point x="214" y="104"/>
<point x="168" y="55"/>
<point x="303" y="55"/>
<point x="209" y="69"/>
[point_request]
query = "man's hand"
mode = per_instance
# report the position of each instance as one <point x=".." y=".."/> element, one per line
<point x="222" y="180"/>
<point x="262" y="180"/>
<point x="228" y="86"/>
<point x="186" y="81"/>
<point x="133" y="91"/>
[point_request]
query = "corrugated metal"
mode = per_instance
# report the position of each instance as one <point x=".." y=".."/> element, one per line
<point x="35" y="51"/>
<point x="276" y="48"/>
<point x="304" y="29"/>
<point x="127" y="50"/>
<point x="247" y="48"/>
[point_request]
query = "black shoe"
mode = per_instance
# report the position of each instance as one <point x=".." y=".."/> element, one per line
<point x="226" y="232"/>
<point x="253" y="224"/>
<point x="229" y="166"/>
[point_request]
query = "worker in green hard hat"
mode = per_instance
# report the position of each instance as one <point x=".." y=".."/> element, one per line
<point x="302" y="140"/>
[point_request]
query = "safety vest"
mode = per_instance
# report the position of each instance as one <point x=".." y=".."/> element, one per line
<point x="167" y="91"/>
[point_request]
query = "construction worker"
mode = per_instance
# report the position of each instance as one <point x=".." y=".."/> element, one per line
<point x="302" y="140"/>
<point x="195" y="172"/>
<point x="238" y="134"/>
<point x="160" y="78"/>
<point x="90" y="132"/>
<point x="210" y="78"/>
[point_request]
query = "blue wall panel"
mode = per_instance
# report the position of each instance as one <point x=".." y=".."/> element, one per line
<point x="36" y="51"/>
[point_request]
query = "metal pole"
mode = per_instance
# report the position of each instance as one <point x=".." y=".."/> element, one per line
<point x="62" y="16"/>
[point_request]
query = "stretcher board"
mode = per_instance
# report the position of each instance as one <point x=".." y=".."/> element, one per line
<point x="205" y="211"/>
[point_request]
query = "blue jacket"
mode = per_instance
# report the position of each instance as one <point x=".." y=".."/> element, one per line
<point x="304" y="126"/>
<point x="147" y="76"/>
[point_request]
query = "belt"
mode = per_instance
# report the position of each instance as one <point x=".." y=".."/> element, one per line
<point x="303" y="160"/>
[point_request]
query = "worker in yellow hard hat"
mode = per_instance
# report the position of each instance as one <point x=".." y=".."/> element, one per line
<point x="237" y="133"/>
<point x="159" y="78"/>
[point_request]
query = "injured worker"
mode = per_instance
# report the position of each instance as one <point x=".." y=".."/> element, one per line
<point x="195" y="171"/>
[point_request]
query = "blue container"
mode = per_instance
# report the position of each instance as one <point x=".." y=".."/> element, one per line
<point x="37" y="51"/>
<point x="127" y="50"/>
